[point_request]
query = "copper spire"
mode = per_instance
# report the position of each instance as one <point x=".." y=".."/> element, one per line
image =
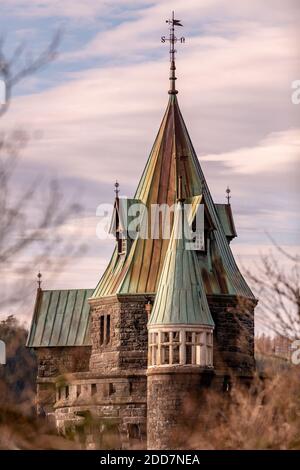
<point x="172" y="40"/>
<point x="139" y="271"/>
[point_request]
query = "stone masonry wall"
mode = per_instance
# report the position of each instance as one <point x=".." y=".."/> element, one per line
<point x="58" y="361"/>
<point x="233" y="335"/>
<point x="105" y="358"/>
<point x="128" y="346"/>
<point x="133" y="334"/>
<point x="110" y="411"/>
<point x="172" y="397"/>
<point x="53" y="362"/>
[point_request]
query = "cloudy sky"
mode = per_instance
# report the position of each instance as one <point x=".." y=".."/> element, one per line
<point x="93" y="114"/>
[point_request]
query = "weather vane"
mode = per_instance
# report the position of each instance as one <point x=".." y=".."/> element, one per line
<point x="172" y="41"/>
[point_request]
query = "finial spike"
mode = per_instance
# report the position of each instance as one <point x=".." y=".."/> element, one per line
<point x="117" y="185"/>
<point x="39" y="280"/>
<point x="228" y="197"/>
<point x="172" y="40"/>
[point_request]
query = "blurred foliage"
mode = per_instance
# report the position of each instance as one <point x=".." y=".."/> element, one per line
<point x="18" y="375"/>
<point x="19" y="426"/>
<point x="264" y="416"/>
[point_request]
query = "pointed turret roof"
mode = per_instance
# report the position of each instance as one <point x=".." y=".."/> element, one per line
<point x="172" y="156"/>
<point x="139" y="272"/>
<point x="181" y="297"/>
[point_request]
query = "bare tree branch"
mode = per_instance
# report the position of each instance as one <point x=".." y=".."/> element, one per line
<point x="23" y="228"/>
<point x="279" y="291"/>
<point x="16" y="68"/>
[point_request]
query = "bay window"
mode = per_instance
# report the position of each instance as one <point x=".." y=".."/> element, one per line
<point x="181" y="346"/>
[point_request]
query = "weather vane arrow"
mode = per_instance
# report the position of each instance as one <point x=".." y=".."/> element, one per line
<point x="176" y="22"/>
<point x="172" y="41"/>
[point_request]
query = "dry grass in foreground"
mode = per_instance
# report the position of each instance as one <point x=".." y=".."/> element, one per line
<point x="20" y="431"/>
<point x="265" y="417"/>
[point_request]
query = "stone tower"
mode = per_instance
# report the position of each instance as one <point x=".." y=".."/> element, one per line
<point x="94" y="376"/>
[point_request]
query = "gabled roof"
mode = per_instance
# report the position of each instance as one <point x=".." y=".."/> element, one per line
<point x="181" y="297"/>
<point x="61" y="318"/>
<point x="172" y="155"/>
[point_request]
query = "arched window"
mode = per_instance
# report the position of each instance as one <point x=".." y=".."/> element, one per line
<point x="105" y="329"/>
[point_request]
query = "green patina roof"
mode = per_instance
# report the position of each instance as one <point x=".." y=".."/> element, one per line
<point x="181" y="297"/>
<point x="173" y="155"/>
<point x="61" y="318"/>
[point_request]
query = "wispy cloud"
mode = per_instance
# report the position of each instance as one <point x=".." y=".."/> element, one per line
<point x="278" y="151"/>
<point x="67" y="8"/>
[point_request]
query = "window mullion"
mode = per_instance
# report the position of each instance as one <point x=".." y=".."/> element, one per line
<point x="170" y="347"/>
<point x="159" y="349"/>
<point x="193" y="348"/>
<point x="182" y="347"/>
<point x="203" y="354"/>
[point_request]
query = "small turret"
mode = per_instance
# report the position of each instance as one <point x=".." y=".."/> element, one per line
<point x="180" y="326"/>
